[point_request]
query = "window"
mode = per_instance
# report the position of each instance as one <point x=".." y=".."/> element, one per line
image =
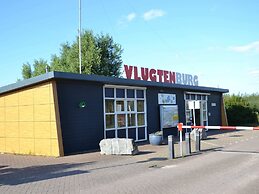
<point x="125" y="112"/>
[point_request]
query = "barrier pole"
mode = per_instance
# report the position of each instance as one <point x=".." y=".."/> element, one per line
<point x="180" y="129"/>
<point x="171" y="147"/>
<point x="188" y="143"/>
<point x="198" y="142"/>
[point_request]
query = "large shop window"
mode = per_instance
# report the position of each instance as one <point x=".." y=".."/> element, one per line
<point x="125" y="112"/>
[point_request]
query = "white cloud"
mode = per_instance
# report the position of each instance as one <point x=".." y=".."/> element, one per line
<point x="152" y="14"/>
<point x="131" y="17"/>
<point x="251" y="47"/>
<point x="126" y="19"/>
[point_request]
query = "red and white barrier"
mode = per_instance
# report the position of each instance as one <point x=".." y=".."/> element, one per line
<point x="180" y="126"/>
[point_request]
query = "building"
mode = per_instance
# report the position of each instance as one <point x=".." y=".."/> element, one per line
<point x="58" y="114"/>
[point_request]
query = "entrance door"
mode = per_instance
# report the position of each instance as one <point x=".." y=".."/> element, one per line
<point x="198" y="118"/>
<point x="196" y="109"/>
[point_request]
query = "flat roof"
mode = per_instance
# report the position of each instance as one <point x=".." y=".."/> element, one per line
<point x="54" y="75"/>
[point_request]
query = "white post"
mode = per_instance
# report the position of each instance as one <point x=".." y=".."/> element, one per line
<point x="181" y="143"/>
<point x="193" y="111"/>
<point x="194" y="120"/>
<point x="79" y="39"/>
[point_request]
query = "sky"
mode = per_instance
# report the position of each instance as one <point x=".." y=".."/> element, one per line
<point x="216" y="40"/>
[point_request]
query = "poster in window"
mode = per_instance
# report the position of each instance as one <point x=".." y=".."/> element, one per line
<point x="166" y="98"/>
<point x="169" y="116"/>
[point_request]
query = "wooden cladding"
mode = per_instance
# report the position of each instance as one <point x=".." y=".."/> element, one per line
<point x="28" y="121"/>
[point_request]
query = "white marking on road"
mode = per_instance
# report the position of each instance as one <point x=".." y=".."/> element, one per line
<point x="238" y="152"/>
<point x="169" y="166"/>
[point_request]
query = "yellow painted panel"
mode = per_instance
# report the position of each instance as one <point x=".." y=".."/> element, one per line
<point x="2" y="114"/>
<point x="11" y="99"/>
<point x="52" y="113"/>
<point x="12" y="145"/>
<point x="2" y="129"/>
<point x="42" y="129"/>
<point x="51" y="93"/>
<point x="54" y="148"/>
<point x="12" y="129"/>
<point x="11" y="113"/>
<point x="2" y="101"/>
<point x="26" y="113"/>
<point x="2" y="144"/>
<point x="42" y="95"/>
<point x="26" y="146"/>
<point x="53" y="130"/>
<point x="26" y="129"/>
<point x="42" y="112"/>
<point x="26" y="97"/>
<point x="42" y="147"/>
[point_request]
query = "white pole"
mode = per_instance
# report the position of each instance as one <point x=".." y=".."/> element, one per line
<point x="79" y="39"/>
<point x="181" y="143"/>
<point x="194" y="120"/>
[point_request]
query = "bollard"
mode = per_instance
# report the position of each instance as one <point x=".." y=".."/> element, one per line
<point x="188" y="143"/>
<point x="171" y="147"/>
<point x="198" y="141"/>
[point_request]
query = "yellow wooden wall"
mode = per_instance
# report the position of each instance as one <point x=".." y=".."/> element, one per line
<point x="28" y="121"/>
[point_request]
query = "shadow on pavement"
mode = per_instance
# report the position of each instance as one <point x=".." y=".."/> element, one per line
<point x="145" y="152"/>
<point x="153" y="159"/>
<point x="211" y="138"/>
<point x="16" y="176"/>
<point x="235" y="136"/>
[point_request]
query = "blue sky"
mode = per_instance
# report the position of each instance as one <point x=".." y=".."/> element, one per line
<point x="216" y="40"/>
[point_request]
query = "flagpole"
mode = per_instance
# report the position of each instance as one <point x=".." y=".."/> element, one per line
<point x="79" y="39"/>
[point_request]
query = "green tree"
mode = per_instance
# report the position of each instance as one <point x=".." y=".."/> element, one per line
<point x="39" y="67"/>
<point x="26" y="71"/>
<point x="68" y="61"/>
<point x="110" y="53"/>
<point x="100" y="55"/>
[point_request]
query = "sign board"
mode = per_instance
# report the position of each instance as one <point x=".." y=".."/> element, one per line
<point x="169" y="116"/>
<point x="194" y="104"/>
<point x="166" y="98"/>
<point x="197" y="104"/>
<point x="213" y="104"/>
<point x="158" y="75"/>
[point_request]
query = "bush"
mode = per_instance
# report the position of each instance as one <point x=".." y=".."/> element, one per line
<point x="239" y="111"/>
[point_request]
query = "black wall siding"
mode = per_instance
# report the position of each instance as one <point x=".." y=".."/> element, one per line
<point x="82" y="128"/>
<point x="214" y="111"/>
<point x="153" y="112"/>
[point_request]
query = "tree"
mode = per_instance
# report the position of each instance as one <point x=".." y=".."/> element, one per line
<point x="110" y="54"/>
<point x="68" y="61"/>
<point x="40" y="67"/>
<point x="100" y="55"/>
<point x="26" y="71"/>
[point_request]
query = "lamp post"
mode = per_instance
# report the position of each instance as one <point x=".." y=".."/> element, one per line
<point x="79" y="39"/>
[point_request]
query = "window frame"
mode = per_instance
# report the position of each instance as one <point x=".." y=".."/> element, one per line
<point x="126" y="112"/>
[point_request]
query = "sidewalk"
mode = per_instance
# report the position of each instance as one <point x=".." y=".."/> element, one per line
<point x="76" y="173"/>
